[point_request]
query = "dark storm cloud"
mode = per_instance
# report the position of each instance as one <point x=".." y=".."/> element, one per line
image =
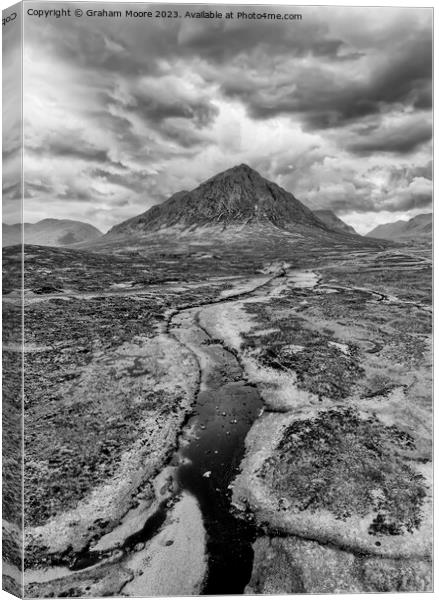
<point x="127" y="142"/>
<point x="219" y="42"/>
<point x="399" y="73"/>
<point x="70" y="193"/>
<point x="67" y="149"/>
<point x="358" y="196"/>
<point x="73" y="194"/>
<point x="406" y="76"/>
<point x="402" y="138"/>
<point x="135" y="47"/>
<point x="401" y="70"/>
<point x="160" y="106"/>
<point x="172" y="113"/>
<point x="11" y="152"/>
<point x="425" y="171"/>
<point x="325" y="100"/>
<point x="12" y="191"/>
<point x="134" y="181"/>
<point x="95" y="46"/>
<point x="409" y="201"/>
<point x="32" y="189"/>
<point x="183" y="135"/>
<point x="403" y="176"/>
<point x="120" y="126"/>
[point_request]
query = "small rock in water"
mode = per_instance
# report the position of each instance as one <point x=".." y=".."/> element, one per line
<point x="138" y="547"/>
<point x="207" y="474"/>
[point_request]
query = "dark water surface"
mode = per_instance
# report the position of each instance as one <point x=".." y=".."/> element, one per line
<point x="227" y="414"/>
<point x="224" y="411"/>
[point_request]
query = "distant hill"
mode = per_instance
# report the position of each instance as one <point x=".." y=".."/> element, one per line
<point x="238" y="197"/>
<point x="11" y="234"/>
<point x="420" y="226"/>
<point x="50" y="232"/>
<point x="334" y="222"/>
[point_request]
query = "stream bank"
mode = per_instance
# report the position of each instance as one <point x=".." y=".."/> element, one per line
<point x="192" y="495"/>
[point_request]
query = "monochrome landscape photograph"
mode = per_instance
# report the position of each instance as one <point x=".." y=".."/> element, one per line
<point x="217" y="300"/>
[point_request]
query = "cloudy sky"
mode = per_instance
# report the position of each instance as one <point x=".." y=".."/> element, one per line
<point x="11" y="121"/>
<point x="122" y="113"/>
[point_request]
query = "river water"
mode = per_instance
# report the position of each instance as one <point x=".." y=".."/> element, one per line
<point x="225" y="409"/>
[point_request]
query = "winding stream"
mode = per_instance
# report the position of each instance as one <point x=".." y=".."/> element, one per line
<point x="193" y="506"/>
<point x="224" y="411"/>
<point x="211" y="448"/>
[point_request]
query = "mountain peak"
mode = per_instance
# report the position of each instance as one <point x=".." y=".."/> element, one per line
<point x="242" y="168"/>
<point x="238" y="196"/>
<point x="239" y="173"/>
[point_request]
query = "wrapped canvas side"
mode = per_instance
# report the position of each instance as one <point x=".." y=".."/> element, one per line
<point x="12" y="415"/>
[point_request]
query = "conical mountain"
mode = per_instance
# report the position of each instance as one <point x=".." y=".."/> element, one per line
<point x="239" y="197"/>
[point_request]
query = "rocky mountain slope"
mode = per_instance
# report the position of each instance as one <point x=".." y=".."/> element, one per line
<point x="236" y="197"/>
<point x="50" y="232"/>
<point x="420" y="226"/>
<point x="333" y="222"/>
